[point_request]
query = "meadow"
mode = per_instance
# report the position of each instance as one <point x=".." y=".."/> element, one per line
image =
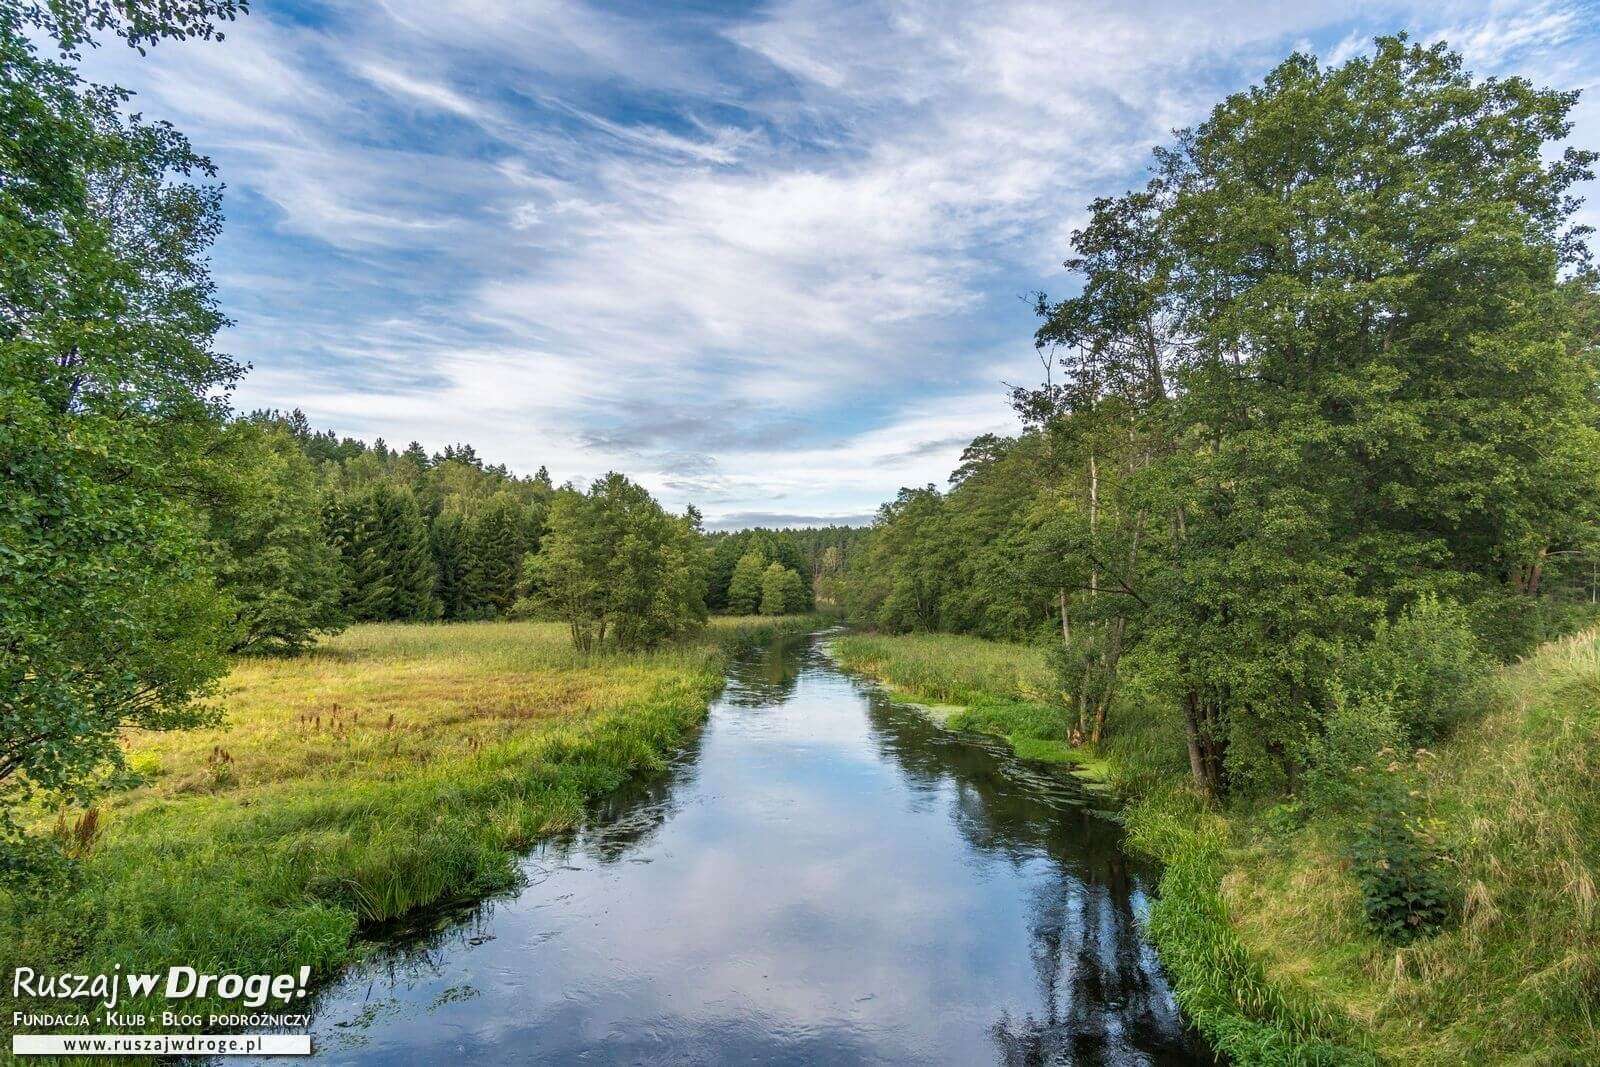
<point x="391" y="768"/>
<point x="1259" y="920"/>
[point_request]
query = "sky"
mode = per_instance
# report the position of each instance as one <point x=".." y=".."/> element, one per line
<point x="773" y="259"/>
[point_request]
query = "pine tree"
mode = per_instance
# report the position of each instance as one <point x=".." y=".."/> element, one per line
<point x="387" y="557"/>
<point x="275" y="565"/>
<point x="496" y="541"/>
<point x="448" y="536"/>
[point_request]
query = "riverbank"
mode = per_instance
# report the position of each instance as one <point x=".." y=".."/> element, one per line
<point x="392" y="768"/>
<point x="1259" y="922"/>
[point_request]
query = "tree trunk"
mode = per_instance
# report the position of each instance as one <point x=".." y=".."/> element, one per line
<point x="1191" y="732"/>
<point x="1204" y="762"/>
<point x="1110" y="660"/>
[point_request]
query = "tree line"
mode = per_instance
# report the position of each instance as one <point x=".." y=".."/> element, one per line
<point x="1318" y="436"/>
<point x="790" y="569"/>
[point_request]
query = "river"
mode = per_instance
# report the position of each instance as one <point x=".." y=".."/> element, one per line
<point x="823" y="876"/>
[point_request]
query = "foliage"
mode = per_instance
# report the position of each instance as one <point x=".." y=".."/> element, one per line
<point x="615" y="563"/>
<point x="109" y="388"/>
<point x="1394" y="857"/>
<point x="383" y="544"/>
<point x="496" y="537"/>
<point x="1324" y="388"/>
<point x="1424" y="665"/>
<point x="801" y="550"/>
<point x="782" y="591"/>
<point x="745" y="586"/>
<point x="275" y="567"/>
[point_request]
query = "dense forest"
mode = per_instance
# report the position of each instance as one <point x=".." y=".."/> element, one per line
<point x="1318" y="437"/>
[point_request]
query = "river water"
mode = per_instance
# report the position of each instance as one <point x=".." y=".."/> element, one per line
<point x="823" y="876"/>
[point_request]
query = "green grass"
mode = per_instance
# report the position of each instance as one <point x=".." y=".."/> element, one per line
<point x="1261" y="927"/>
<point x="949" y="669"/>
<point x="392" y="768"/>
<point x="986" y="686"/>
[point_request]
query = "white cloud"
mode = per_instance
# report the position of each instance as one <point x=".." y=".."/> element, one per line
<point x="590" y="240"/>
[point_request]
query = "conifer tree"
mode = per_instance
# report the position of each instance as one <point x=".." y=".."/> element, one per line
<point x="496" y="540"/>
<point x="388" y="561"/>
<point x="448" y="536"/>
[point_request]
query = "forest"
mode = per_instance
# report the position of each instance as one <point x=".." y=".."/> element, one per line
<point x="1328" y="389"/>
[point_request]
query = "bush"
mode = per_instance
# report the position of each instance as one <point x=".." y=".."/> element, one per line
<point x="1362" y="731"/>
<point x="1356" y="775"/>
<point x="1424" y="665"/>
<point x="1405" y="889"/>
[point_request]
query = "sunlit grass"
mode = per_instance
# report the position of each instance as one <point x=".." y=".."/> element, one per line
<point x="393" y="768"/>
<point x="1518" y="802"/>
<point x="381" y="702"/>
<point x="948" y="668"/>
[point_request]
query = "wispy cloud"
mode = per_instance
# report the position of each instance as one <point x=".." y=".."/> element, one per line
<point x="766" y="260"/>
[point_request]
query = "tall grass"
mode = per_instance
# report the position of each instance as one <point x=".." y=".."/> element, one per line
<point x="949" y="669"/>
<point x="1516" y="804"/>
<point x="392" y="768"/>
<point x="973" y="684"/>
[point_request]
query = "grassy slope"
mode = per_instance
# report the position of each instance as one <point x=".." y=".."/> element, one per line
<point x="1261" y="928"/>
<point x="391" y="768"/>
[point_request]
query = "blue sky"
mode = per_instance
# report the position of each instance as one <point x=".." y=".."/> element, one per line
<point x="769" y="258"/>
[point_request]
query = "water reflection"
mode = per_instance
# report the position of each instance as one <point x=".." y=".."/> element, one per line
<point x="823" y="877"/>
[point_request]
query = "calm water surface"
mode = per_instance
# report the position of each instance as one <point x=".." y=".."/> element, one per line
<point x="822" y="877"/>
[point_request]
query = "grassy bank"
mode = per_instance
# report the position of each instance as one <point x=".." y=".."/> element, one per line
<point x="1259" y="920"/>
<point x="391" y="768"/>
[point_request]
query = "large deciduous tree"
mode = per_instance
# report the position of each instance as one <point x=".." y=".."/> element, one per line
<point x="745" y="587"/>
<point x="1336" y="359"/>
<point x="109" y="386"/>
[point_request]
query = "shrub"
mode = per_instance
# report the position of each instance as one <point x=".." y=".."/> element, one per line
<point x="1425" y="664"/>
<point x="1404" y="885"/>
<point x="1356" y="775"/>
<point x="1361" y="731"/>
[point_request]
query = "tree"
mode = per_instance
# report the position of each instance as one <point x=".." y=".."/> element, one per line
<point x="614" y="564"/>
<point x="908" y="564"/>
<point x="109" y="385"/>
<point x="496" y="539"/>
<point x="781" y="590"/>
<point x="448" y="537"/>
<point x="1364" y="265"/>
<point x="275" y="566"/>
<point x="1324" y="371"/>
<point x="829" y="572"/>
<point x="745" y="588"/>
<point x="388" y="561"/>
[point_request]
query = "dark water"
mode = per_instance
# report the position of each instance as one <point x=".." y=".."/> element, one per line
<point x="823" y="877"/>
